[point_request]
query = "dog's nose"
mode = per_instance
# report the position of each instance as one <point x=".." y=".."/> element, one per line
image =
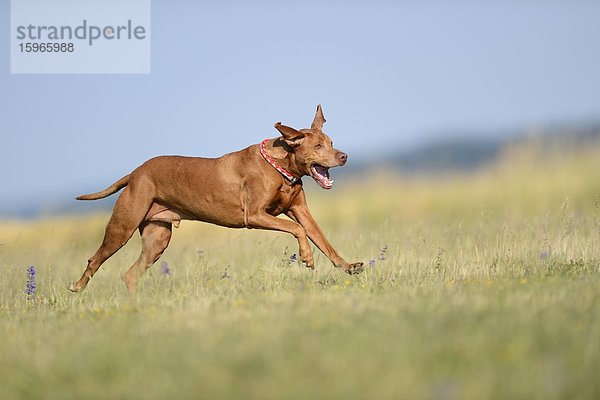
<point x="343" y="157"/>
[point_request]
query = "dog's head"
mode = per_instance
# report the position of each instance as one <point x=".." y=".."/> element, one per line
<point x="313" y="150"/>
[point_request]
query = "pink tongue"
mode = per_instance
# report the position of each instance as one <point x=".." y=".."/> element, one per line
<point x="323" y="183"/>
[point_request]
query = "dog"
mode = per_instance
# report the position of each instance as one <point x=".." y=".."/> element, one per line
<point x="244" y="189"/>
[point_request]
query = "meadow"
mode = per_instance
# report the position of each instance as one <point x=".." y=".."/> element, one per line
<point x="480" y="285"/>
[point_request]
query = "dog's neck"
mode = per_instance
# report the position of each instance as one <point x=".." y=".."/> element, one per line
<point x="284" y="156"/>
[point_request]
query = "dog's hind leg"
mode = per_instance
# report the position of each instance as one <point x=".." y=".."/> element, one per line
<point x="128" y="213"/>
<point x="155" y="239"/>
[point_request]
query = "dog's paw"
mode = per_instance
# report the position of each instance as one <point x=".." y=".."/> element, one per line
<point x="308" y="262"/>
<point x="355" y="268"/>
<point x="72" y="287"/>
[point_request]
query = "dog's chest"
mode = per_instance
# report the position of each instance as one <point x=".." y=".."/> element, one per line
<point x="285" y="198"/>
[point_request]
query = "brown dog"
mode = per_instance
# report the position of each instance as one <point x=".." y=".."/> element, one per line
<point x="244" y="189"/>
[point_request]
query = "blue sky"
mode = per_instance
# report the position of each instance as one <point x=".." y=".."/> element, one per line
<point x="389" y="75"/>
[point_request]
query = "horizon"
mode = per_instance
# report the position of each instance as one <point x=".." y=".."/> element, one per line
<point x="456" y="156"/>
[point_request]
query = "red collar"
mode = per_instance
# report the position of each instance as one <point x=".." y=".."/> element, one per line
<point x="278" y="167"/>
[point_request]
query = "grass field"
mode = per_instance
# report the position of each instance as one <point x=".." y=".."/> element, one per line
<point x="479" y="286"/>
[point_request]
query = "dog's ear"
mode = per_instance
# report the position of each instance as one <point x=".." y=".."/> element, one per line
<point x="291" y="136"/>
<point x="319" y="120"/>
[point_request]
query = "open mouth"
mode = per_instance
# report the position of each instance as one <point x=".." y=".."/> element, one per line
<point x="321" y="175"/>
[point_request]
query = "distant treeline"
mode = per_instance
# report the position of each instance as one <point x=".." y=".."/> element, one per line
<point x="468" y="152"/>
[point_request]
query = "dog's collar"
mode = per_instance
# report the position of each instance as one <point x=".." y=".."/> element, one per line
<point x="278" y="167"/>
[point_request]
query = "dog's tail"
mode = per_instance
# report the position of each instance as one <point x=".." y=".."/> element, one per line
<point x="114" y="188"/>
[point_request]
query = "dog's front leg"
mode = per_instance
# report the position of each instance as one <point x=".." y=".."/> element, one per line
<point x="300" y="213"/>
<point x="262" y="220"/>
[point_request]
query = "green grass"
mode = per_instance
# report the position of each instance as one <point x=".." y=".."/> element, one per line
<point x="490" y="288"/>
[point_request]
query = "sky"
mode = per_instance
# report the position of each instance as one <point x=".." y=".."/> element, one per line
<point x="390" y="75"/>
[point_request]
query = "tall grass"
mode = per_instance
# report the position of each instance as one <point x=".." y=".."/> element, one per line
<point x="482" y="285"/>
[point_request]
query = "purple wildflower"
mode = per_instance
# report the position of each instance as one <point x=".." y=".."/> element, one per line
<point x="372" y="262"/>
<point x="30" y="286"/>
<point x="544" y="254"/>
<point x="287" y="260"/>
<point x="164" y="269"/>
